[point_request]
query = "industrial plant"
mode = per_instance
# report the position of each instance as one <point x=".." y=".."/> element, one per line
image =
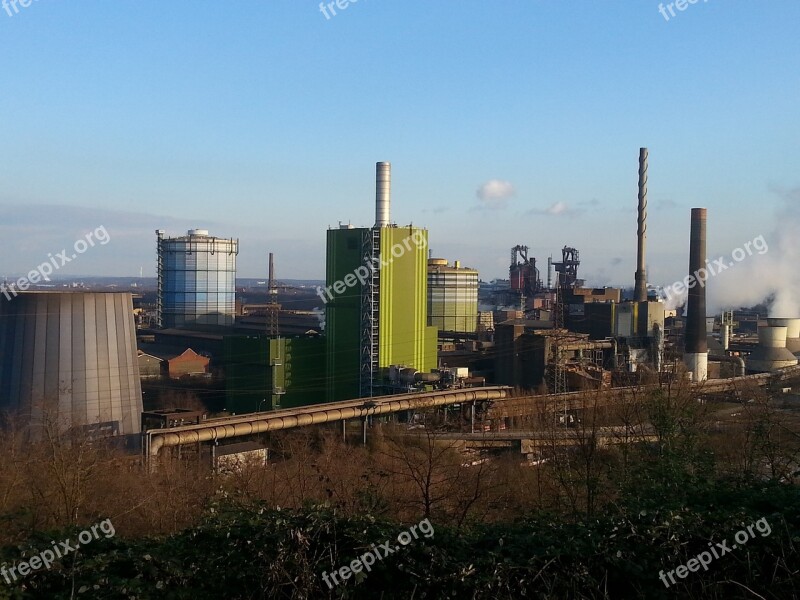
<point x="391" y="320"/>
<point x="406" y="362"/>
<point x="383" y="300"/>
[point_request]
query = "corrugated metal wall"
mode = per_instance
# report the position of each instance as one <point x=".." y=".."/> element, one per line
<point x="71" y="357"/>
<point x="405" y="337"/>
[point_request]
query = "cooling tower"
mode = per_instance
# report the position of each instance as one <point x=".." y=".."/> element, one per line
<point x="792" y="333"/>
<point x="71" y="358"/>
<point x="771" y="353"/>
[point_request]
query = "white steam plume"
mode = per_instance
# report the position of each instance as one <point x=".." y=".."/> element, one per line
<point x="774" y="273"/>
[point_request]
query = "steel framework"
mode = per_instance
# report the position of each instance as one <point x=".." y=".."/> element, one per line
<point x="370" y="312"/>
<point x="160" y="275"/>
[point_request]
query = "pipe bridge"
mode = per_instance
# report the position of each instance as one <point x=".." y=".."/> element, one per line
<point x="231" y="427"/>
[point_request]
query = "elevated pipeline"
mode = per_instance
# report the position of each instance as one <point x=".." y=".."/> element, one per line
<point x="156" y="439"/>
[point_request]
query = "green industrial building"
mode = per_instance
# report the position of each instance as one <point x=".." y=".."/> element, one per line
<point x="264" y="373"/>
<point x="376" y="316"/>
<point x="376" y="302"/>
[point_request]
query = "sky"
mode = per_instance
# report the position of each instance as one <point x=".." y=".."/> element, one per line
<point x="517" y="122"/>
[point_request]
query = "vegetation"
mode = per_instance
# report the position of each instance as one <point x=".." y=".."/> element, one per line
<point x="645" y="484"/>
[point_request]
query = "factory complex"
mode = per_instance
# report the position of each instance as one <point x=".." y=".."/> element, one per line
<point x="392" y="320"/>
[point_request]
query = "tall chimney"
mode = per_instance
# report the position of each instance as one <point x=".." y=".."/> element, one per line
<point x="696" y="352"/>
<point x="640" y="290"/>
<point x="383" y="193"/>
<point x="271" y="280"/>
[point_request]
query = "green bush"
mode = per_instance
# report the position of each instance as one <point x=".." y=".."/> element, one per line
<point x="259" y="553"/>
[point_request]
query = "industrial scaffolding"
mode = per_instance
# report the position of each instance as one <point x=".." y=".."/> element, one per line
<point x="370" y="312"/>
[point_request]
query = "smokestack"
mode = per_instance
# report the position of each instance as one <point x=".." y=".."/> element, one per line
<point x="725" y="336"/>
<point x="640" y="289"/>
<point x="696" y="353"/>
<point x="271" y="279"/>
<point x="383" y="193"/>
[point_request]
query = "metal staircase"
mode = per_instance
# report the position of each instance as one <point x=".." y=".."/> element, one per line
<point x="370" y="312"/>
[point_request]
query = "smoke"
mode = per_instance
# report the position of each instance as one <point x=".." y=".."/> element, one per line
<point x="771" y="276"/>
<point x="787" y="255"/>
<point x="675" y="300"/>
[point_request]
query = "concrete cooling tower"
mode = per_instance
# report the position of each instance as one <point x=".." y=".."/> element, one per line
<point x="792" y="332"/>
<point x="71" y="358"/>
<point x="771" y="353"/>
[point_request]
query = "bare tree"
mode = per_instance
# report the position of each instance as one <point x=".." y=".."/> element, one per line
<point x="431" y="477"/>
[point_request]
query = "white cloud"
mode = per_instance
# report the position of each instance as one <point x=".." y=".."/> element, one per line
<point x="666" y="204"/>
<point x="495" y="193"/>
<point x="557" y="209"/>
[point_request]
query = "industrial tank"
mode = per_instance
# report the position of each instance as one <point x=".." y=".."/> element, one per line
<point x="196" y="279"/>
<point x="452" y="296"/>
<point x="70" y="358"/>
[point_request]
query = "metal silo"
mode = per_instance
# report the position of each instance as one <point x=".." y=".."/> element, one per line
<point x="196" y="279"/>
<point x="452" y="296"/>
<point x="71" y="358"/>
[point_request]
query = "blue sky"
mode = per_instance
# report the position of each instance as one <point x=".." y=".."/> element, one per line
<point x="263" y="121"/>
